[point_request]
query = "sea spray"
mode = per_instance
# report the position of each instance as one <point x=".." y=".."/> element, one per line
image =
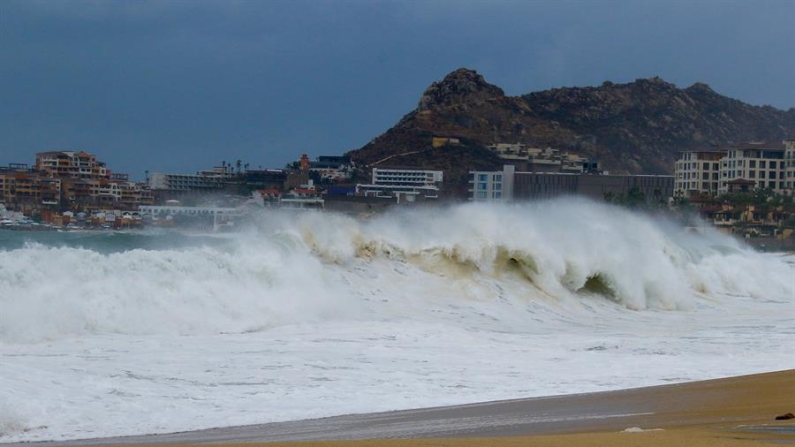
<point x="302" y="267"/>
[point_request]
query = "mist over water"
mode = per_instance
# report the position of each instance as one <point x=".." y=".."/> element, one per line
<point x="433" y="288"/>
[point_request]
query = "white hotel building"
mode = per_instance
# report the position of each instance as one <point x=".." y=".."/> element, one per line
<point x="398" y="182"/>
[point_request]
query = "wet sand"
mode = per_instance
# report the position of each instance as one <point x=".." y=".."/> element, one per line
<point x="736" y="411"/>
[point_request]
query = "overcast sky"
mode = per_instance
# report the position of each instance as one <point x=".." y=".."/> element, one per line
<point x="178" y="86"/>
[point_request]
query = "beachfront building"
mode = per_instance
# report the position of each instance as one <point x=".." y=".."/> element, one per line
<point x="759" y="165"/>
<point x="509" y="184"/>
<point x="20" y="185"/>
<point x="698" y="172"/>
<point x="202" y="181"/>
<point x="70" y="164"/>
<point x="789" y="165"/>
<point x="404" y="184"/>
<point x="488" y="186"/>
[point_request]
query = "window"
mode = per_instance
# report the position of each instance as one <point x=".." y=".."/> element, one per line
<point x="481" y="194"/>
<point x="497" y="177"/>
<point x="482" y="177"/>
<point x="498" y="186"/>
<point x="772" y="165"/>
<point x="752" y="164"/>
<point x="761" y="174"/>
<point x="762" y="164"/>
<point x="482" y="187"/>
<point x="496" y="195"/>
<point x="752" y="174"/>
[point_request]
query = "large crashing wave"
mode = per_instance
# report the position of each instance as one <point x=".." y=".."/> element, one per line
<point x="310" y="267"/>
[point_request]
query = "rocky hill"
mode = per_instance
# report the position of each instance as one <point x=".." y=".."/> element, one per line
<point x="637" y="127"/>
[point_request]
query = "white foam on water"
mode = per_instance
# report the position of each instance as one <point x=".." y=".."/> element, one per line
<point x="316" y="314"/>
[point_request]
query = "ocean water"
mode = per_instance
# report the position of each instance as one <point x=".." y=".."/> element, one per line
<point x="311" y="314"/>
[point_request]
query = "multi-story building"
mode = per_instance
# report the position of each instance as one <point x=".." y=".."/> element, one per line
<point x="759" y="162"/>
<point x="511" y="185"/>
<point x="204" y="181"/>
<point x="68" y="164"/>
<point x="23" y="186"/>
<point x="789" y="164"/>
<point x="488" y="186"/>
<point x="403" y="182"/>
<point x="698" y="171"/>
<point x="736" y="168"/>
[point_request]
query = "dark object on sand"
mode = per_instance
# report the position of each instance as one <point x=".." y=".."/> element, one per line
<point x="785" y="417"/>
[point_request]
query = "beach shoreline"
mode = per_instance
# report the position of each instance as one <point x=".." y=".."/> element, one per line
<point x="734" y="411"/>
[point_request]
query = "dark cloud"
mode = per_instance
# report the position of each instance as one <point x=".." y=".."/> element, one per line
<point x="182" y="85"/>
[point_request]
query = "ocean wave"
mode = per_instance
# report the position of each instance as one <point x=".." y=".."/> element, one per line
<point x="309" y="267"/>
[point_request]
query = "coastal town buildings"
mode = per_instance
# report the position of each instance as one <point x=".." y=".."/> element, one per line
<point x="68" y="180"/>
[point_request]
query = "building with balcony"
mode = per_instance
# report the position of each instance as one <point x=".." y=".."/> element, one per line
<point x="698" y="172"/>
<point x="736" y="169"/>
<point x="759" y="162"/>
<point x="789" y="165"/>
<point x="68" y="164"/>
<point x="406" y="185"/>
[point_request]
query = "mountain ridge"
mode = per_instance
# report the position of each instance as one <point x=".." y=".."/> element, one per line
<point x="636" y="127"/>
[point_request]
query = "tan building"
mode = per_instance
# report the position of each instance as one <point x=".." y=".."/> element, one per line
<point x="759" y="162"/>
<point x="68" y="164"/>
<point x="738" y="168"/>
<point x="698" y="172"/>
<point x="19" y="185"/>
<point x="789" y="165"/>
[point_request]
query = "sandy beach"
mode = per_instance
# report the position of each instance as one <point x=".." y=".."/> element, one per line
<point x="733" y="411"/>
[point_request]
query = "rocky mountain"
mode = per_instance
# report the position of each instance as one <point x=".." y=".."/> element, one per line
<point x="637" y="127"/>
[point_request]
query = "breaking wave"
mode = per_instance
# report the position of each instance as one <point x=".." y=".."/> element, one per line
<point x="296" y="268"/>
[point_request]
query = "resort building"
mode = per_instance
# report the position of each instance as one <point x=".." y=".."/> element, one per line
<point x="23" y="186"/>
<point x="698" y="172"/>
<point x="758" y="164"/>
<point x="203" y="181"/>
<point x="68" y="164"/>
<point x="402" y="183"/>
<point x="509" y="184"/>
<point x="737" y="168"/>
